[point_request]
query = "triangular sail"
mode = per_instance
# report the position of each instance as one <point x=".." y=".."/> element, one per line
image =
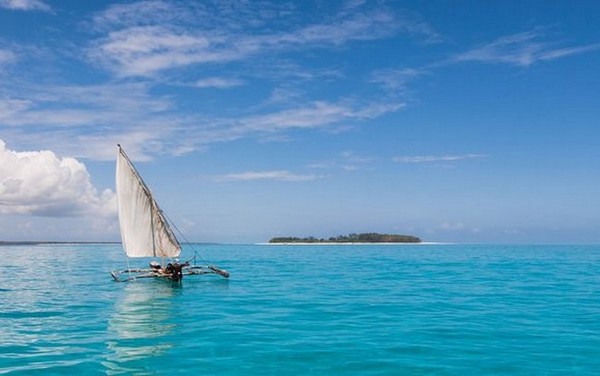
<point x="145" y="231"/>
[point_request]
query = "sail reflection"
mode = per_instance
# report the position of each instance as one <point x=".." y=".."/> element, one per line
<point x="140" y="326"/>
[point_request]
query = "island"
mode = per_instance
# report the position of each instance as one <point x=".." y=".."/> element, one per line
<point x="370" y="237"/>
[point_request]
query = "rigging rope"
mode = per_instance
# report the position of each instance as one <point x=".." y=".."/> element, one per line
<point x="128" y="267"/>
<point x="185" y="239"/>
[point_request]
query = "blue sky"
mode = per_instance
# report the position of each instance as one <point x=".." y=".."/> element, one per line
<point x="454" y="121"/>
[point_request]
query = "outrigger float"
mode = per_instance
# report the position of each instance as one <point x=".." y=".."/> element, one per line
<point x="173" y="271"/>
<point x="145" y="231"/>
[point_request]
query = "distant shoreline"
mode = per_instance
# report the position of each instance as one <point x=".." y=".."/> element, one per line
<point x="43" y="242"/>
<point x="366" y="238"/>
<point x="354" y="243"/>
<point x="34" y="242"/>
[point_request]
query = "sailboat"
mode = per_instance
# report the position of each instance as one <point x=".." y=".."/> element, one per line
<point x="145" y="231"/>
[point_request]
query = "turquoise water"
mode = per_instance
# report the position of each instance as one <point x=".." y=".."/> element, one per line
<point x="306" y="310"/>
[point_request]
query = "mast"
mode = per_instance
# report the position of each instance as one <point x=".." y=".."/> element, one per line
<point x="145" y="232"/>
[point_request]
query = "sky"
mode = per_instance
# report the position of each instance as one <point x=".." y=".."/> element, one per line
<point x="455" y="121"/>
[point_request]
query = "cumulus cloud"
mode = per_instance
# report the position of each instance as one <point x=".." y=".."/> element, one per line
<point x="26" y="5"/>
<point x="41" y="183"/>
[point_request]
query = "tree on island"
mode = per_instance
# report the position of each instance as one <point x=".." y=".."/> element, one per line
<point x="370" y="237"/>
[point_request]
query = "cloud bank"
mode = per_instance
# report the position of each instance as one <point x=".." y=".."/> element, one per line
<point x="40" y="183"/>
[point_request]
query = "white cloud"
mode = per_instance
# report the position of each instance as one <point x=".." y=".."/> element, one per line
<point x="148" y="37"/>
<point x="40" y="183"/>
<point x="138" y="13"/>
<point x="347" y="160"/>
<point x="395" y="79"/>
<point x="144" y="50"/>
<point x="284" y="95"/>
<point x="63" y="106"/>
<point x="87" y="121"/>
<point x="350" y="161"/>
<point x="218" y="82"/>
<point x="354" y="26"/>
<point x="351" y="5"/>
<point x="522" y="49"/>
<point x="313" y="115"/>
<point x="7" y="56"/>
<point x="316" y="114"/>
<point x="266" y="175"/>
<point x="452" y="226"/>
<point x="434" y="158"/>
<point x="568" y="51"/>
<point x="11" y="108"/>
<point x="25" y="5"/>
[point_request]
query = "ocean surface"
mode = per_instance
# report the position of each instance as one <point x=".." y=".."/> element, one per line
<point x="305" y="310"/>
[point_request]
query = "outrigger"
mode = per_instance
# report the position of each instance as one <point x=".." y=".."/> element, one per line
<point x="173" y="271"/>
<point x="145" y="231"/>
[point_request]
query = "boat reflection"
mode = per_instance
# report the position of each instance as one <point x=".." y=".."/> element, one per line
<point x="140" y="326"/>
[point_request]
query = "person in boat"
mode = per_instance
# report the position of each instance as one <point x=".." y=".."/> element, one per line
<point x="174" y="270"/>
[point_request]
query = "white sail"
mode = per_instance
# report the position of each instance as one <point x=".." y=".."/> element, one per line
<point x="144" y="230"/>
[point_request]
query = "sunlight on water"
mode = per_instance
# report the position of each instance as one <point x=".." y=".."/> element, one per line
<point x="368" y="310"/>
<point x="139" y="322"/>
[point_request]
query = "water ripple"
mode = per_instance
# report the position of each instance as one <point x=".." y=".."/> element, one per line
<point x="368" y="310"/>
